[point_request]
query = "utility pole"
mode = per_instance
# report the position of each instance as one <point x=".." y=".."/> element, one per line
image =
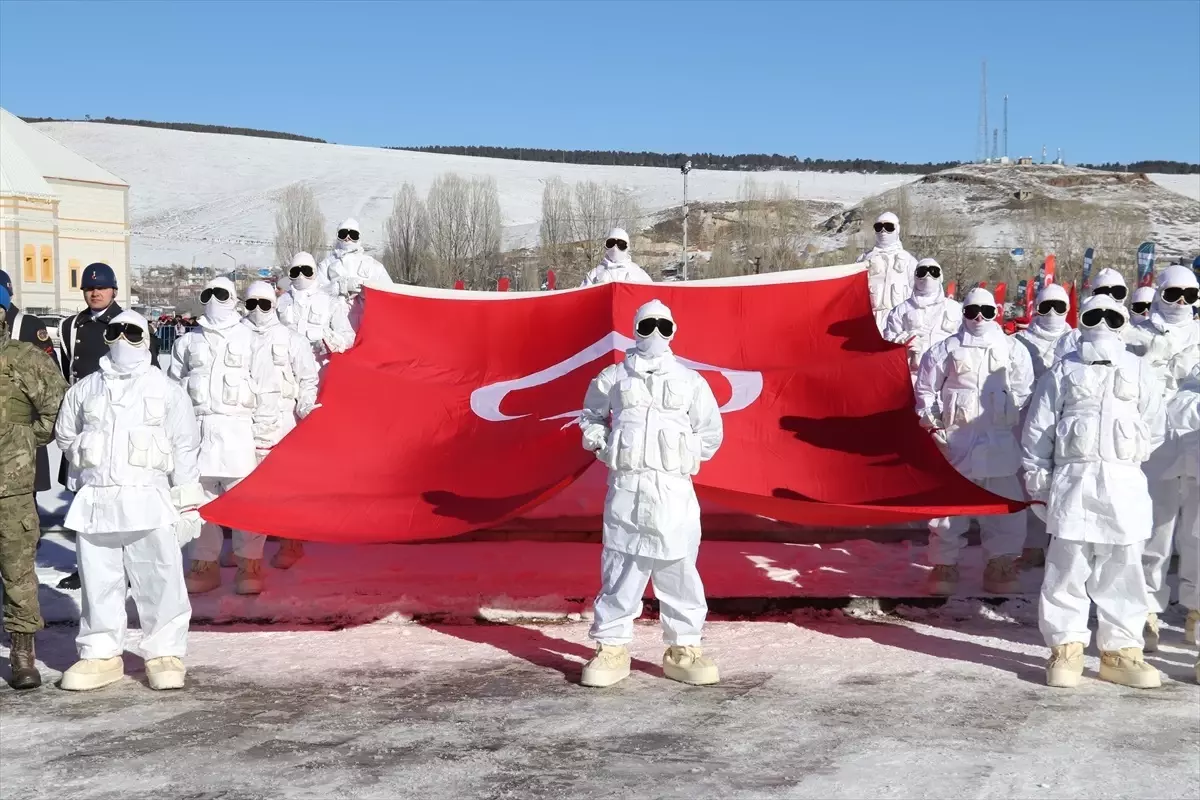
<point x="1006" y="126"/>
<point x="685" y="169"/>
<point x="234" y="260"/>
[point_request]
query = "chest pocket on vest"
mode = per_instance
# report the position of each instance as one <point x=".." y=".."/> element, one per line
<point x="154" y="411"/>
<point x="960" y="365"/>
<point x="280" y="358"/>
<point x="199" y="355"/>
<point x="148" y="449"/>
<point x="235" y="391"/>
<point x="677" y="395"/>
<point x="1079" y="388"/>
<point x="950" y="323"/>
<point x="235" y="356"/>
<point x="1075" y="438"/>
<point x="88" y="450"/>
<point x="633" y="393"/>
<point x="279" y="355"/>
<point x="1125" y="387"/>
<point x="1130" y="442"/>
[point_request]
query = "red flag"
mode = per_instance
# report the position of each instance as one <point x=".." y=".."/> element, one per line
<point x="458" y="284"/>
<point x="1050" y="265"/>
<point x="951" y="288"/>
<point x="1000" y="293"/>
<point x="429" y="429"/>
<point x="983" y="284"/>
<point x="502" y="285"/>
<point x="1073" y="310"/>
<point x="550" y="278"/>
<point x="1030" y="294"/>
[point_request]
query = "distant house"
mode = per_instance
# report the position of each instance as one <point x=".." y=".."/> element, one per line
<point x="1025" y="161"/>
<point x="59" y="212"/>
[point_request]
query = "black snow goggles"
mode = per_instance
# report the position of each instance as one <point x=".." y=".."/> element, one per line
<point x="932" y="271"/>
<point x="219" y="292"/>
<point x="1052" y="306"/>
<point x="1115" y="292"/>
<point x="303" y="269"/>
<point x="1173" y="294"/>
<point x="650" y="324"/>
<point x="620" y="244"/>
<point x="880" y="227"/>
<point x="1092" y="318"/>
<point x="1140" y="308"/>
<point x="975" y="312"/>
<point x="124" y="330"/>
<point x="346" y="233"/>
<point x="255" y="303"/>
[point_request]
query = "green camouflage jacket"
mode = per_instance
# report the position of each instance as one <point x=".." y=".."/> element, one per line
<point x="31" y="388"/>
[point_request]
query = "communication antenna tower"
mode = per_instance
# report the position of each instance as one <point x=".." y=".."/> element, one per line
<point x="1006" y="126"/>
<point x="981" y="145"/>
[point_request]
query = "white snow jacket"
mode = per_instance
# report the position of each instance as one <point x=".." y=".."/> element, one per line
<point x="618" y="272"/>
<point x="293" y="386"/>
<point x="972" y="394"/>
<point x="890" y="276"/>
<point x="1172" y="351"/>
<point x="129" y="437"/>
<point x="225" y="375"/>
<point x="1090" y="427"/>
<point x="1183" y="425"/>
<point x="1040" y="342"/>
<point x="924" y="323"/>
<point x="659" y="421"/>
<point x="319" y="318"/>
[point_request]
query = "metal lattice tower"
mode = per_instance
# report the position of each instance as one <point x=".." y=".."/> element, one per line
<point x="1006" y="126"/>
<point x="995" y="143"/>
<point x="981" y="146"/>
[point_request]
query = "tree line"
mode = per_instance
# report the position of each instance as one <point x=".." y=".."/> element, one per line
<point x="1162" y="167"/>
<point x="191" y="127"/>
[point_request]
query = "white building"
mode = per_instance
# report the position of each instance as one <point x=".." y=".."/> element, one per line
<point x="59" y="212"/>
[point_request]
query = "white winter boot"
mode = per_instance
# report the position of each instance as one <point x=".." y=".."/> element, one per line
<point x="610" y="665"/>
<point x="165" y="672"/>
<point x="688" y="665"/>
<point x="1126" y="667"/>
<point x="1150" y="633"/>
<point x="204" y="576"/>
<point x="93" y="673"/>
<point x="1190" y="625"/>
<point x="943" y="579"/>
<point x="1065" y="667"/>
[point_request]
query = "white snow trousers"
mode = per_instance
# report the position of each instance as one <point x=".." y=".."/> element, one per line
<point x="207" y="546"/>
<point x="1081" y="573"/>
<point x="1000" y="535"/>
<point x="1036" y="535"/>
<point x="152" y="562"/>
<point x="677" y="585"/>
<point x="1176" y="507"/>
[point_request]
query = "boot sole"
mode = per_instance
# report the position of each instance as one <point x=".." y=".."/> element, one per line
<point x="166" y="681"/>
<point x="1063" y="679"/>
<point x="1141" y="680"/>
<point x="24" y="686"/>
<point x="704" y="677"/>
<point x="601" y="680"/>
<point x="243" y="590"/>
<point x="87" y="683"/>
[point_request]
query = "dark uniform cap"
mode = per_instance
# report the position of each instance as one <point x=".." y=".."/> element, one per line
<point x="98" y="276"/>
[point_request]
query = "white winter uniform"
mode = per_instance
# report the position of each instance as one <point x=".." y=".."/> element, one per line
<point x="345" y="272"/>
<point x="319" y="318"/>
<point x="1183" y="427"/>
<point x="616" y="272"/>
<point x="664" y="424"/>
<point x="225" y="375"/>
<point x="972" y="389"/>
<point x="130" y="437"/>
<point x="1088" y="430"/>
<point x="1172" y="350"/>
<point x="293" y="386"/>
<point x="925" y="321"/>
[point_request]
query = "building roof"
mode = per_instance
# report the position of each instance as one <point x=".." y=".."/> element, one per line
<point x="23" y="147"/>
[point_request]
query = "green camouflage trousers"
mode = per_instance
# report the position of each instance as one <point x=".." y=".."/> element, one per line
<point x="19" y="534"/>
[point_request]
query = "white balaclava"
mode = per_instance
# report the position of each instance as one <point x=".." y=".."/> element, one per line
<point x="219" y="312"/>
<point x="302" y="283"/>
<point x="981" y="328"/>
<point x="885" y="240"/>
<point x="1109" y="277"/>
<point x="615" y="255"/>
<point x="1174" y="277"/>
<point x="261" y="290"/>
<point x="1052" y="322"/>
<point x="125" y="357"/>
<point x="1142" y="294"/>
<point x="929" y="286"/>
<point x="1100" y="342"/>
<point x="655" y="344"/>
<point x="348" y="245"/>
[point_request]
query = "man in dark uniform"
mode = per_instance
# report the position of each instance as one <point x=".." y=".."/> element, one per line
<point x="82" y="343"/>
<point x="28" y="328"/>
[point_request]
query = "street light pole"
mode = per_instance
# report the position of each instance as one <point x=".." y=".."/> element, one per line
<point x="685" y="169"/>
<point x="234" y="260"/>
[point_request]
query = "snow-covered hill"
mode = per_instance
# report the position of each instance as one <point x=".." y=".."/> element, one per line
<point x="198" y="195"/>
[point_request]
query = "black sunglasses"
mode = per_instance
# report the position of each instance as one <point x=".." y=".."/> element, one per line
<point x="620" y="244"/>
<point x="218" y="292"/>
<point x="304" y="270"/>
<point x="1140" y="308"/>
<point x="1092" y="318"/>
<point x="885" y="226"/>
<point x="346" y="233"/>
<point x="127" y="330"/>
<point x="648" y="325"/>
<point x="933" y="272"/>
<point x="1174" y="293"/>
<point x="255" y="303"/>
<point x="1115" y="292"/>
<point x="974" y="312"/>
<point x="1047" y="306"/>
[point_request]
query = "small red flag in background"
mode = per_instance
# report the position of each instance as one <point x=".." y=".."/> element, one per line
<point x="1000" y="293"/>
<point x="951" y="288"/>
<point x="1073" y="310"/>
<point x="502" y="285"/>
<point x="550" y="279"/>
<point x="458" y="284"/>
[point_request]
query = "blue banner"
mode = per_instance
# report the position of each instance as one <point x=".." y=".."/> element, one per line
<point x="1145" y="264"/>
<point x="1088" y="255"/>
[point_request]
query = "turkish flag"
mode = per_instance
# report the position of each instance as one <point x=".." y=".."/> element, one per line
<point x="456" y="411"/>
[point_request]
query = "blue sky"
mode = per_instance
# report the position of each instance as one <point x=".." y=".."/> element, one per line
<point x="894" y="80"/>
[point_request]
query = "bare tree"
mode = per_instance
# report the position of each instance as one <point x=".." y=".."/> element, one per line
<point x="555" y="230"/>
<point x="464" y="227"/>
<point x="406" y="238"/>
<point x="299" y="224"/>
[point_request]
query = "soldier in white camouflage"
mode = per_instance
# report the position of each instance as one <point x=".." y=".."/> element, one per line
<point x="31" y="391"/>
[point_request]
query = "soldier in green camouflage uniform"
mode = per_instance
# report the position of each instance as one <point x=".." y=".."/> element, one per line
<point x="31" y="388"/>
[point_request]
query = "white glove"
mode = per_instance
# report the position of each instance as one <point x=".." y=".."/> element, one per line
<point x="1039" y="510"/>
<point x="188" y="527"/>
<point x="1037" y="484"/>
<point x="595" y="438"/>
